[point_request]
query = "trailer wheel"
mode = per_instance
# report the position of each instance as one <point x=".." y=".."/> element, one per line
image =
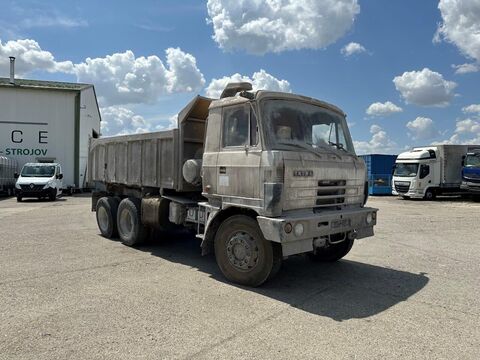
<point x="129" y="223"/>
<point x="242" y="253"/>
<point x="333" y="252"/>
<point x="106" y="213"/>
<point x="430" y="194"/>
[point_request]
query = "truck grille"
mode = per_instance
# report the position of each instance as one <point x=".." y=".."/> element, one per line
<point x="402" y="187"/>
<point x="330" y="193"/>
<point x="472" y="180"/>
<point x="30" y="188"/>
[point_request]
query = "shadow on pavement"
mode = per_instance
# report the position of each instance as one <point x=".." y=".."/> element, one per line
<point x="341" y="291"/>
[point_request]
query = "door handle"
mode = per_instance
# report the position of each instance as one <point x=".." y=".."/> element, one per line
<point x="223" y="170"/>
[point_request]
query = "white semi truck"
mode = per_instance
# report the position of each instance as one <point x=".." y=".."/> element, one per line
<point x="425" y="172"/>
<point x="258" y="176"/>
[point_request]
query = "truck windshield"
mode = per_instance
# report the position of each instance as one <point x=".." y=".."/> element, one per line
<point x="405" y="170"/>
<point x="294" y="123"/>
<point x="38" y="171"/>
<point x="472" y="160"/>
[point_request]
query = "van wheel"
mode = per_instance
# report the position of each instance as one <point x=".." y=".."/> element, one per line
<point x="53" y="195"/>
<point x="429" y="195"/>
<point x="19" y="199"/>
<point x="333" y="252"/>
<point x="242" y="253"/>
<point x="129" y="223"/>
<point x="106" y="213"/>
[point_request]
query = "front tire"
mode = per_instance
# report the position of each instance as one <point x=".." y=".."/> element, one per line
<point x="19" y="198"/>
<point x="242" y="253"/>
<point x="333" y="252"/>
<point x="429" y="195"/>
<point x="106" y="213"/>
<point x="129" y="223"/>
<point x="53" y="195"/>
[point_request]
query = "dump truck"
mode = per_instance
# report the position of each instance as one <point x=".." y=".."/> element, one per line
<point x="258" y="176"/>
<point x="425" y="172"/>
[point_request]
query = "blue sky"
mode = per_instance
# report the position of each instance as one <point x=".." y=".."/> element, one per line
<point x="391" y="39"/>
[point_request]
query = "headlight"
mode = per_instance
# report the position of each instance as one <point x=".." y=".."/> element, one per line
<point x="369" y="218"/>
<point x="298" y="230"/>
<point x="17" y="186"/>
<point x="50" y="183"/>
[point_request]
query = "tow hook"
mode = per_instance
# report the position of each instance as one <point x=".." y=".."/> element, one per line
<point x="352" y="235"/>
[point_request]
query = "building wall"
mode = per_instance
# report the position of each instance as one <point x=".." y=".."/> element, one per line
<point x="38" y="124"/>
<point x="89" y="122"/>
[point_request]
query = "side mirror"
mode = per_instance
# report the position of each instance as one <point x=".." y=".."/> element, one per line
<point x="60" y="176"/>
<point x="16" y="175"/>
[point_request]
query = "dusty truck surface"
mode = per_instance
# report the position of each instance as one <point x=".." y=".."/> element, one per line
<point x="258" y="176"/>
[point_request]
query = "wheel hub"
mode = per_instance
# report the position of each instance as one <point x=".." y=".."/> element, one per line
<point x="242" y="251"/>
<point x="102" y="218"/>
<point x="126" y="222"/>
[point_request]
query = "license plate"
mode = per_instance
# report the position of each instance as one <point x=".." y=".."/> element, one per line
<point x="340" y="223"/>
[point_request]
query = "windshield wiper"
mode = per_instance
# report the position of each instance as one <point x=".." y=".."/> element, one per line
<point x="325" y="147"/>
<point x="338" y="146"/>
<point x="301" y="146"/>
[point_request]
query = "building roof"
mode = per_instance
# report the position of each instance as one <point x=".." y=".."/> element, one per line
<point x="40" y="84"/>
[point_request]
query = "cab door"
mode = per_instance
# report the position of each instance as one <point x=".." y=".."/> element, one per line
<point x="238" y="162"/>
<point x="426" y="176"/>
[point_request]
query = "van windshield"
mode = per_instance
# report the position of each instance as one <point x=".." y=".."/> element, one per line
<point x="299" y="124"/>
<point x="405" y="170"/>
<point x="38" y="171"/>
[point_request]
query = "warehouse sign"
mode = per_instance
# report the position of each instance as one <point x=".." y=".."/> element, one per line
<point x="25" y="142"/>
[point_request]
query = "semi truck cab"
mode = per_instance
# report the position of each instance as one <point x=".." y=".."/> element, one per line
<point x="471" y="172"/>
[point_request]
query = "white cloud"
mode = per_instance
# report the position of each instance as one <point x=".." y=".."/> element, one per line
<point x="261" y="80"/>
<point x="383" y="109"/>
<point x="353" y="48"/>
<point x="122" y="78"/>
<point x="118" y="120"/>
<point x="380" y="143"/>
<point x="422" y="128"/>
<point x="474" y="108"/>
<point x="425" y="88"/>
<point x="266" y="26"/>
<point x="461" y="25"/>
<point x="466" y="68"/>
<point x="467" y="131"/>
<point x="29" y="57"/>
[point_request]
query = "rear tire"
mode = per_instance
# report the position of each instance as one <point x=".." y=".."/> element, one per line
<point x="106" y="213"/>
<point x="129" y="223"/>
<point x="333" y="252"/>
<point x="242" y="253"/>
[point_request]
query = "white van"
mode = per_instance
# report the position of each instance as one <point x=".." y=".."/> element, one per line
<point x="40" y="180"/>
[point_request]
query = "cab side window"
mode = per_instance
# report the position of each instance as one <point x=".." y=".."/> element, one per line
<point x="424" y="171"/>
<point x="235" y="126"/>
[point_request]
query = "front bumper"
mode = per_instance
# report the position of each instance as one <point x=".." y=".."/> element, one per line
<point x="316" y="226"/>
<point x="470" y="186"/>
<point x="414" y="194"/>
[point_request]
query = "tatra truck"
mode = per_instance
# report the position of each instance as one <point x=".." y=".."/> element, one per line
<point x="426" y="172"/>
<point x="258" y="176"/>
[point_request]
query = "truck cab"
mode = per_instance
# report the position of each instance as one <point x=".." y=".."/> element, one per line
<point x="471" y="172"/>
<point x="39" y="180"/>
<point x="416" y="174"/>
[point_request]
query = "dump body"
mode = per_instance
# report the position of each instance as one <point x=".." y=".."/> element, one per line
<point x="151" y="160"/>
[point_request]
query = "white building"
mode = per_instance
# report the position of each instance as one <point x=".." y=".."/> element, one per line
<point x="45" y="121"/>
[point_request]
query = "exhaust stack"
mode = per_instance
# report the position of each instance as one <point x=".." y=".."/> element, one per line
<point x="12" y="70"/>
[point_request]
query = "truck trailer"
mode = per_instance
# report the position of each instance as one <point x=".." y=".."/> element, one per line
<point x="8" y="168"/>
<point x="258" y="176"/>
<point x="426" y="172"/>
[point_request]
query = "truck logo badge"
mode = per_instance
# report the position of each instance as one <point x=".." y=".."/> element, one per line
<point x="303" y="173"/>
